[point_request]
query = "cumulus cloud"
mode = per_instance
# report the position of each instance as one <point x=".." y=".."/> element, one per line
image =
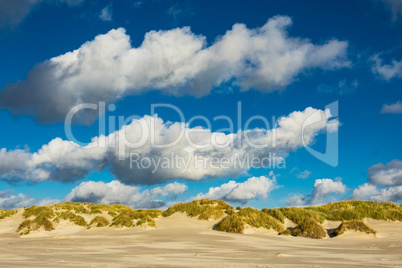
<point x="386" y="175"/>
<point x="150" y="151"/>
<point x="384" y="183"/>
<point x="395" y="108"/>
<point x="115" y="192"/>
<point x="14" y="12"/>
<point x="10" y="201"/>
<point x="252" y="188"/>
<point x="176" y="62"/>
<point x="106" y="13"/>
<point x="371" y="192"/>
<point x="48" y="202"/>
<point x="323" y="189"/>
<point x="386" y="71"/>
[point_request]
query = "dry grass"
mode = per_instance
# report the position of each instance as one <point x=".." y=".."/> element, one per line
<point x="354" y="225"/>
<point x="307" y="219"/>
<point x="309" y="228"/>
<point x="99" y="221"/>
<point x="7" y="213"/>
<point x="236" y="222"/>
<point x="205" y="209"/>
<point x="127" y="216"/>
<point x="67" y="215"/>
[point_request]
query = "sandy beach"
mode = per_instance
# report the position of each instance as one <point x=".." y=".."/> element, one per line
<point x="181" y="241"/>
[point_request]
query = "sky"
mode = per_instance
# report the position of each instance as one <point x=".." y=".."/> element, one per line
<point x="148" y="103"/>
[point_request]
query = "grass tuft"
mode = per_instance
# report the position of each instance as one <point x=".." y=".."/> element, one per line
<point x="99" y="221"/>
<point x="309" y="228"/>
<point x="355" y="225"/>
<point x="205" y="209"/>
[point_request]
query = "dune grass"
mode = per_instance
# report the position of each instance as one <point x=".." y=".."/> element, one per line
<point x="354" y="225"/>
<point x="231" y="224"/>
<point x="308" y="219"/>
<point x="128" y="217"/>
<point x="68" y="215"/>
<point x="205" y="209"/>
<point x="7" y="213"/>
<point x="358" y="210"/>
<point x="99" y="221"/>
<point x="236" y="223"/>
<point x="309" y="228"/>
<point x="275" y="213"/>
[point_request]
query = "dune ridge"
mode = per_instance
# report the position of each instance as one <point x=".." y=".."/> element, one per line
<point x="308" y="221"/>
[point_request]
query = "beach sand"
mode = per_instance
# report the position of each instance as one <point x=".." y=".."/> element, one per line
<point x="180" y="241"/>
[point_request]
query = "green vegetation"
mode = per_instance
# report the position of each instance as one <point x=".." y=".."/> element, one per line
<point x="355" y="225"/>
<point x="7" y="213"/>
<point x="309" y="228"/>
<point x="205" y="209"/>
<point x="99" y="221"/>
<point x="236" y="223"/>
<point x="67" y="215"/>
<point x="275" y="213"/>
<point x="286" y="232"/>
<point x="127" y="216"/>
<point x="231" y="224"/>
<point x="308" y="219"/>
<point x="41" y="219"/>
<point x="358" y="210"/>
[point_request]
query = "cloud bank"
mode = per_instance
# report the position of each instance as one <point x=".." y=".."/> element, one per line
<point x="115" y="192"/>
<point x="176" y="62"/>
<point x="10" y="201"/>
<point x="384" y="183"/>
<point x="150" y="151"/>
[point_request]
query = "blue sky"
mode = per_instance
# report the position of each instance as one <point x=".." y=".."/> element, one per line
<point x="350" y="52"/>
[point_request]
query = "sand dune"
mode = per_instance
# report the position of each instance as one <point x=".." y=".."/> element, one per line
<point x="181" y="241"/>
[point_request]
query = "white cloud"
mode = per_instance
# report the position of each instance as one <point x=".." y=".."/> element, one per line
<point x="252" y="188"/>
<point x="175" y="62"/>
<point x="48" y="202"/>
<point x="323" y="188"/>
<point x="10" y="201"/>
<point x="395" y="108"/>
<point x="386" y="71"/>
<point x="106" y="13"/>
<point x="364" y="192"/>
<point x="371" y="192"/>
<point x="13" y="12"/>
<point x="303" y="174"/>
<point x="386" y="175"/>
<point x="115" y="192"/>
<point x="197" y="150"/>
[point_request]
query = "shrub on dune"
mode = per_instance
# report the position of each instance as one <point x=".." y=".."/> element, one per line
<point x="231" y="224"/>
<point x="309" y="228"/>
